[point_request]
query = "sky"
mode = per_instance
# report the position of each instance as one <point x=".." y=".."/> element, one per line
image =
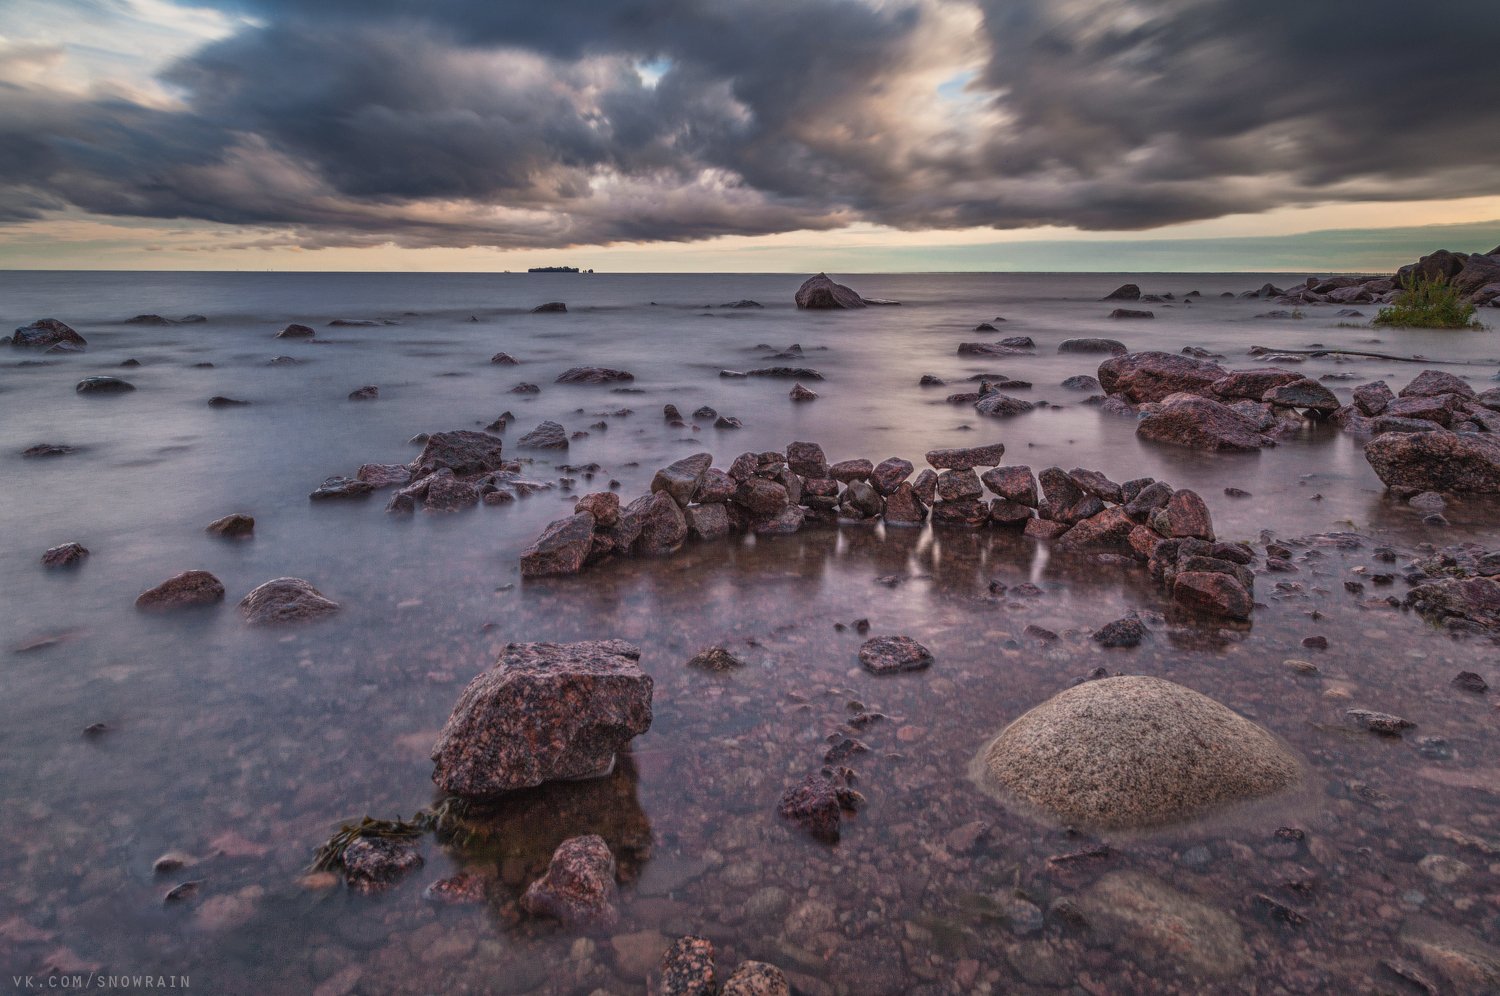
<point x="754" y="135"/>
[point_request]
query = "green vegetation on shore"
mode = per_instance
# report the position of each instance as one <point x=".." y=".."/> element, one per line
<point x="1429" y="303"/>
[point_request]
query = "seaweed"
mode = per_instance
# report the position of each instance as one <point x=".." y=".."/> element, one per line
<point x="442" y="819"/>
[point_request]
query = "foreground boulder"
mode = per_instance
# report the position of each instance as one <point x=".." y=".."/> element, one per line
<point x="579" y="887"/>
<point x="1439" y="460"/>
<point x="185" y="590"/>
<point x="821" y="292"/>
<point x="1135" y="751"/>
<point x="47" y="332"/>
<point x="544" y="712"/>
<point x="285" y="600"/>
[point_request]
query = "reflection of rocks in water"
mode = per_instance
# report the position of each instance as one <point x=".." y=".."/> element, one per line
<point x="1164" y="928"/>
<point x="521" y="831"/>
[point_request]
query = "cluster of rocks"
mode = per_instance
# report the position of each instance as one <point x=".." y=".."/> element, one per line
<point x="687" y="969"/>
<point x="281" y="600"/>
<point x="1458" y="589"/>
<point x="455" y="470"/>
<point x="1476" y="277"/>
<point x="1079" y="511"/>
<point x="1438" y="434"/>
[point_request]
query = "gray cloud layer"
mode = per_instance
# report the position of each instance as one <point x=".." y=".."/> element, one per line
<point x="489" y="122"/>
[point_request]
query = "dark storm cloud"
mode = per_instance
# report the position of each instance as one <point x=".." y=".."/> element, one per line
<point x="475" y="122"/>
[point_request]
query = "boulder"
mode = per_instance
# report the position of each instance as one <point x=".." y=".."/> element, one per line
<point x="561" y="548"/>
<point x="997" y="405"/>
<point x="800" y="393"/>
<point x="1114" y="347"/>
<point x="1430" y="383"/>
<point x="1201" y="424"/>
<point x="707" y="522"/>
<point x="1125" y="292"/>
<point x="1185" y="516"/>
<point x="446" y="493"/>
<point x="594" y="375"/>
<point x="1152" y="376"/>
<point x="1478" y="273"/>
<point x="822" y="292"/>
<point x="681" y="478"/>
<point x="550" y="308"/>
<point x="757" y="978"/>
<point x="504" y="360"/>
<point x="339" y="488"/>
<point x="285" y="600"/>
<point x="387" y="475"/>
<point x="579" y="887"/>
<point x="904" y="508"/>
<point x="659" y="521"/>
<point x="236" y="525"/>
<point x="716" y="486"/>
<point x="1212" y="593"/>
<point x="1134" y="751"/>
<point x="686" y="969"/>
<point x="185" y="590"/>
<point x="715" y="658"/>
<point x="807" y="459"/>
<point x="47" y="332"/>
<point x="1108" y="531"/>
<point x="1251" y="384"/>
<point x="889" y="474"/>
<point x="1304" y="393"/>
<point x="369" y="392"/>
<point x="1470" y="600"/>
<point x="1371" y="399"/>
<point x="548" y="435"/>
<point x="295" y="331"/>
<point x="544" y="712"/>
<point x="462" y="451"/>
<point x="967" y="457"/>
<point x="1119" y="313"/>
<point x="1015" y="484"/>
<point x="1064" y="501"/>
<point x="104" y="385"/>
<point x="374" y="864"/>
<point x="1439" y="460"/>
<point x="816" y="804"/>
<point x="958" y="485"/>
<point x="1009" y="514"/>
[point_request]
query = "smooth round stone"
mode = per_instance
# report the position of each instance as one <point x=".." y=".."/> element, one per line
<point x="1134" y="751"/>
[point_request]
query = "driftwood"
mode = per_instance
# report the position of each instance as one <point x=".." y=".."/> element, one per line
<point x="1264" y="350"/>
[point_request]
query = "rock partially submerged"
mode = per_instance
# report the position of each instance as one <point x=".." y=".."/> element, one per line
<point x="1438" y="460"/>
<point x="66" y="555"/>
<point x="236" y="525"/>
<point x="594" y="375"/>
<point x="185" y="590"/>
<point x="285" y="600"/>
<point x="104" y="385"/>
<point x="1135" y="751"/>
<point x="894" y="654"/>
<point x="821" y="292"/>
<point x="1201" y="424"/>
<point x="579" y="887"/>
<point x="374" y="864"/>
<point x="544" y="712"/>
<point x="47" y="332"/>
<point x="462" y="451"/>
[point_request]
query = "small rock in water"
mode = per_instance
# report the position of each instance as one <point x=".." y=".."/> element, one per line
<point x="66" y="555"/>
<point x="504" y="359"/>
<point x="104" y="385"/>
<point x="190" y="588"/>
<point x="1468" y="681"/>
<point x="220" y="401"/>
<point x="579" y="887"/>
<point x="463" y="889"/>
<point x="1126" y="632"/>
<point x="285" y="600"/>
<point x="373" y="864"/>
<point x="816" y="804"/>
<point x="367" y="393"/>
<point x="1383" y="723"/>
<point x="893" y="654"/>
<point x="800" y="393"/>
<point x="715" y="659"/>
<point x="340" y="488"/>
<point x="757" y="978"/>
<point x="687" y="969"/>
<point x="548" y="435"/>
<point x="236" y="525"/>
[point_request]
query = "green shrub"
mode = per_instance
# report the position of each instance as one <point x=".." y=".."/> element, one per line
<point x="1429" y="303"/>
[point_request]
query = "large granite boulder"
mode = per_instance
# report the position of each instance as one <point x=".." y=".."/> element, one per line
<point x="1134" y="751"/>
<point x="658" y="521"/>
<point x="285" y="600"/>
<point x="185" y="590"/>
<point x="1201" y="424"/>
<point x="822" y="292"/>
<point x="544" y="712"/>
<point x="462" y="451"/>
<point x="47" y="332"/>
<point x="1152" y="376"/>
<point x="561" y="549"/>
<point x="1439" y="460"/>
<point x="579" y="887"/>
<point x="549" y="435"/>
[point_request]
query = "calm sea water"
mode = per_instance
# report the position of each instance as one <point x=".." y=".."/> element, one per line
<point x="245" y="749"/>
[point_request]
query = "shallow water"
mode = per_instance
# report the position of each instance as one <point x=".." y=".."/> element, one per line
<point x="246" y="748"/>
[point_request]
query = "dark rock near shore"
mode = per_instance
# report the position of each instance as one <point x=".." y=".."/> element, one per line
<point x="788" y="373"/>
<point x="373" y="864"/>
<point x="1442" y="461"/>
<point x="822" y="292"/>
<point x="1119" y="313"/>
<point x="1304" y="393"/>
<point x="339" y="488"/>
<point x="236" y="525"/>
<point x="800" y="393"/>
<point x="1015" y="484"/>
<point x="1125" y="292"/>
<point x="1081" y="382"/>
<point x="1126" y="632"/>
<point x="967" y="457"/>
<point x="1114" y="347"/>
<point x="681" y="479"/>
<point x="1432" y="383"/>
<point x="1212" y="593"/>
<point x="686" y="969"/>
<point x="999" y="405"/>
<point x="104" y="385"/>
<point x="816" y="804"/>
<point x="285" y="600"/>
<point x="462" y="451"/>
<point x="47" y="450"/>
<point x="1457" y="601"/>
<point x="47" y="332"/>
<point x="715" y="658"/>
<point x="550" y="308"/>
<point x="219" y="401"/>
<point x="579" y="888"/>
<point x="548" y="435"/>
<point x="1373" y="398"/>
<point x="369" y="392"/>
<point x="1201" y="424"/>
<point x="544" y="712"/>
<point x="504" y="360"/>
<point x="295" y="331"/>
<point x="185" y="590"/>
<point x="889" y="474"/>
<point x="660" y="523"/>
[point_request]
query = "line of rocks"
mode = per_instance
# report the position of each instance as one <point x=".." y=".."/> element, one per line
<point x="777" y="493"/>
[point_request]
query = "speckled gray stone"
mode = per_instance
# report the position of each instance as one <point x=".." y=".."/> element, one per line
<point x="1135" y="751"/>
